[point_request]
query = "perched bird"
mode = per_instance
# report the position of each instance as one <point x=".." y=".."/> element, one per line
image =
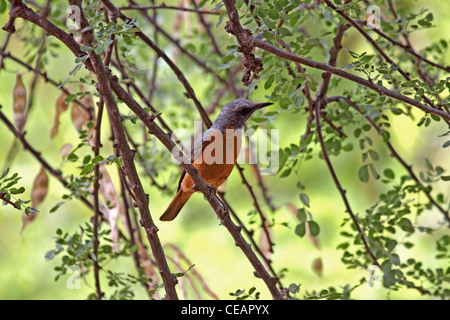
<point x="214" y="154"/>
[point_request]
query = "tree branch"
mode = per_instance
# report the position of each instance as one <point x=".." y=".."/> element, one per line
<point x="22" y="11"/>
<point x="163" y="6"/>
<point x="246" y="40"/>
<point x="104" y="88"/>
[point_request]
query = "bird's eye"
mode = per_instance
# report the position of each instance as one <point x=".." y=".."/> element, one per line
<point x="245" y="111"/>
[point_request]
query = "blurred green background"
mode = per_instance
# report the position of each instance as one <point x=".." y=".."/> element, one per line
<point x="25" y="273"/>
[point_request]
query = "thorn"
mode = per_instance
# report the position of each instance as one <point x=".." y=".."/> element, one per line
<point x="154" y="116"/>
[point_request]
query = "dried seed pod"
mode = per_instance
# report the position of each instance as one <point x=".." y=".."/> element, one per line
<point x="40" y="188"/>
<point x="20" y="101"/>
<point x="65" y="150"/>
<point x="61" y="106"/>
<point x="38" y="193"/>
<point x="112" y="205"/>
<point x="317" y="266"/>
<point x="80" y="116"/>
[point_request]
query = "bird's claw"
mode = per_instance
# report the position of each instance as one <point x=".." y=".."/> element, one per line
<point x="211" y="189"/>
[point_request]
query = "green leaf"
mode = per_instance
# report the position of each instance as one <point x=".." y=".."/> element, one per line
<point x="301" y="215"/>
<point x="97" y="159"/>
<point x="56" y="207"/>
<point x="86" y="48"/>
<point x="395" y="259"/>
<point x="285" y="173"/>
<point x="428" y="164"/>
<point x="406" y="225"/>
<point x="87" y="169"/>
<point x="300" y="229"/>
<point x="374" y="171"/>
<point x="294" y="288"/>
<point x="445" y="178"/>
<point x="2" y="6"/>
<point x="304" y="199"/>
<point x="313" y="228"/>
<point x="284" y="32"/>
<point x="223" y="66"/>
<point x="269" y="23"/>
<point x="389" y="279"/>
<point x="4" y="173"/>
<point x="72" y="157"/>
<point x="446" y="144"/>
<point x="268" y="35"/>
<point x="17" y="190"/>
<point x="237" y="293"/>
<point x="87" y="159"/>
<point x="374" y="155"/>
<point x="201" y="4"/>
<point x="50" y="255"/>
<point x="388" y="173"/>
<point x="363" y="173"/>
<point x="390" y="244"/>
<point x="269" y="81"/>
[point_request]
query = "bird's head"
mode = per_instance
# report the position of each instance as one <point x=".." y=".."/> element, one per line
<point x="235" y="113"/>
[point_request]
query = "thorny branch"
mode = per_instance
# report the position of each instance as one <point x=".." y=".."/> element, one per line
<point x="106" y="81"/>
<point x="247" y="42"/>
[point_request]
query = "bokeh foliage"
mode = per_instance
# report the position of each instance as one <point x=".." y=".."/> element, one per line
<point x="318" y="253"/>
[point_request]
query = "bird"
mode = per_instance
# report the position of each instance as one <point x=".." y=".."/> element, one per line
<point x="215" y="152"/>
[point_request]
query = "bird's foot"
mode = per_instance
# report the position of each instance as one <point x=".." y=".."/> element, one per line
<point x="211" y="190"/>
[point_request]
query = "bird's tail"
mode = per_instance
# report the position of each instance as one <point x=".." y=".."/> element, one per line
<point x="176" y="205"/>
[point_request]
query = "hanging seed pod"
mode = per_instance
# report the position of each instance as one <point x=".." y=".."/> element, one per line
<point x="65" y="150"/>
<point x="317" y="266"/>
<point x="38" y="193"/>
<point x="112" y="205"/>
<point x="20" y="101"/>
<point x="40" y="188"/>
<point x="80" y="116"/>
<point x="61" y="106"/>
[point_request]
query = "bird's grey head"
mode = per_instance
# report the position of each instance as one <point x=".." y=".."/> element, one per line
<point x="235" y="113"/>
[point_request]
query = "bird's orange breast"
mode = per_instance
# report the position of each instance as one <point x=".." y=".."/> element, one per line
<point x="217" y="159"/>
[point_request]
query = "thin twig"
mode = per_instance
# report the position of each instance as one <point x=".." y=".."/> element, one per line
<point x="163" y="6"/>
<point x="246" y="40"/>
<point x="338" y="185"/>
<point x="104" y="88"/>
<point x="96" y="187"/>
<point x="379" y="50"/>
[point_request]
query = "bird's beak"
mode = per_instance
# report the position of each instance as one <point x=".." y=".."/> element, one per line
<point x="263" y="105"/>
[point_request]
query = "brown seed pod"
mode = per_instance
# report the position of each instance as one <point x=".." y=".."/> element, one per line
<point x="20" y="101"/>
<point x="61" y="106"/>
<point x="38" y="193"/>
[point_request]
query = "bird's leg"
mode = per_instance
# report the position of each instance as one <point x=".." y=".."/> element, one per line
<point x="226" y="213"/>
<point x="211" y="189"/>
